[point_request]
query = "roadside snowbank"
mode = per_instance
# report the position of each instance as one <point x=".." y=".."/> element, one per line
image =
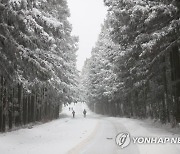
<point x="56" y="137"/>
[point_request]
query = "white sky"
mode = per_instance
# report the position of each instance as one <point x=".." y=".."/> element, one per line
<point x="86" y="19"/>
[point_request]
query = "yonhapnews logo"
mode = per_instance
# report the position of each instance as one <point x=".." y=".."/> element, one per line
<point x="124" y="139"/>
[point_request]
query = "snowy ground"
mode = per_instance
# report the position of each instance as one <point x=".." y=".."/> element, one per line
<point x="91" y="135"/>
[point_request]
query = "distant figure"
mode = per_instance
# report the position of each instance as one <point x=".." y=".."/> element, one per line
<point x="69" y="108"/>
<point x="84" y="112"/>
<point x="73" y="113"/>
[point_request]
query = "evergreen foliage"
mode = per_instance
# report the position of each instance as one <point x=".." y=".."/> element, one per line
<point x="134" y="67"/>
<point x="37" y="59"/>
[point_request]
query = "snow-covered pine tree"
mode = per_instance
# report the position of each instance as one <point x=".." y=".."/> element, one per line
<point x="37" y="53"/>
<point x="148" y="32"/>
<point x="146" y="62"/>
<point x="98" y="78"/>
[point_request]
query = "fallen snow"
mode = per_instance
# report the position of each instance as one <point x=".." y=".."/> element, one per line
<point x="91" y="135"/>
<point x="56" y="137"/>
<point x="146" y="128"/>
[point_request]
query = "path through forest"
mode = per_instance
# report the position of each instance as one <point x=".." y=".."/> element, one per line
<point x="94" y="134"/>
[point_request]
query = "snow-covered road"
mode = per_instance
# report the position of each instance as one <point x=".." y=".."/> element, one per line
<point x="94" y="134"/>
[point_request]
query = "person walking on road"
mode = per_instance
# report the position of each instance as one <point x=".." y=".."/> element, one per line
<point x="73" y="113"/>
<point x="84" y="112"/>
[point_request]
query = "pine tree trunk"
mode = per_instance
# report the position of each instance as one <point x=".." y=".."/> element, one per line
<point x="27" y="113"/>
<point x="11" y="109"/>
<point x="175" y="76"/>
<point x="29" y="109"/>
<point x="32" y="108"/>
<point x="165" y="113"/>
<point x="1" y="103"/>
<point x="5" y="106"/>
<point x="20" y="104"/>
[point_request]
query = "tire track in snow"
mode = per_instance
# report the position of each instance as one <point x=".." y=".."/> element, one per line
<point x="119" y="127"/>
<point x="82" y="144"/>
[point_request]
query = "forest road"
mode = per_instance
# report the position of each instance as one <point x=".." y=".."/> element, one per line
<point x="94" y="134"/>
<point x="102" y="139"/>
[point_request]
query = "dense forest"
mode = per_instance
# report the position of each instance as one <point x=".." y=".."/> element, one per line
<point x="134" y="70"/>
<point x="37" y="61"/>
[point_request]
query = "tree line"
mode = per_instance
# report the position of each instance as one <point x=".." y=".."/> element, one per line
<point x="134" y="70"/>
<point x="38" y="61"/>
